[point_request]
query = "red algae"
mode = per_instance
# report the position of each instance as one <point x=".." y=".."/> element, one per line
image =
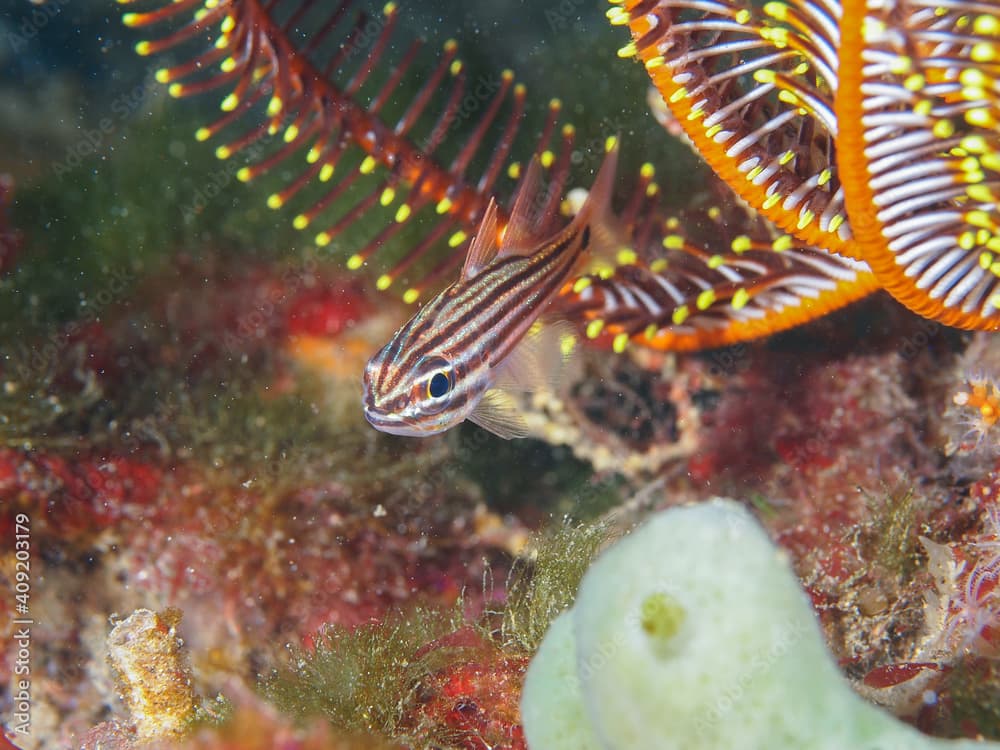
<point x="265" y="510"/>
<point x="219" y="465"/>
<point x="326" y="310"/>
<point x="70" y="498"/>
<point x="474" y="702"/>
<point x="190" y="441"/>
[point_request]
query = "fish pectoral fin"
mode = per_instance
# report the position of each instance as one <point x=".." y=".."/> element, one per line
<point x="483" y="247"/>
<point x="497" y="413"/>
<point x="545" y="357"/>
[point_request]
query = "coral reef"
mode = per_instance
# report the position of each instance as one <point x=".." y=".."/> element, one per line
<point x="180" y="423"/>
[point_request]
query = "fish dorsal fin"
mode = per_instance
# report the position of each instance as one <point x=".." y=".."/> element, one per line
<point x="606" y="237"/>
<point x="483" y="247"/>
<point x="596" y="210"/>
<point x="497" y="413"/>
<point x="519" y="238"/>
<point x="544" y="357"/>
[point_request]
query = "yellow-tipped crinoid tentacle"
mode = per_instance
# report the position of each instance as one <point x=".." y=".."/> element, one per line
<point x="736" y="280"/>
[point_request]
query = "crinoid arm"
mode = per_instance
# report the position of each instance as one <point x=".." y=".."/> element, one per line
<point x="325" y="94"/>
<point x="677" y="288"/>
<point x="323" y="98"/>
<point x="753" y="87"/>
<point x="919" y="148"/>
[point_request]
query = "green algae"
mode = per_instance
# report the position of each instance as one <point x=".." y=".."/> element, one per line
<point x="362" y="680"/>
<point x="132" y="187"/>
<point x="543" y="583"/>
<point x="236" y="426"/>
<point x="893" y="531"/>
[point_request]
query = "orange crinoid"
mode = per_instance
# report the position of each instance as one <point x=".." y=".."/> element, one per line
<point x="869" y="129"/>
<point x="864" y="138"/>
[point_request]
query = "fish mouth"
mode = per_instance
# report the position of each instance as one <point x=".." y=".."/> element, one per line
<point x="384" y="421"/>
<point x="392" y="425"/>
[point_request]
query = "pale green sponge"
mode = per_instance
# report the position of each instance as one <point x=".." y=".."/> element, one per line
<point x="692" y="632"/>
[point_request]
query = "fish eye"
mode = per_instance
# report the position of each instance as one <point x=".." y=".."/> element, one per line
<point x="439" y="384"/>
<point x="434" y="382"/>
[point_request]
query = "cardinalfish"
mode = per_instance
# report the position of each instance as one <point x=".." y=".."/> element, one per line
<point x="464" y="352"/>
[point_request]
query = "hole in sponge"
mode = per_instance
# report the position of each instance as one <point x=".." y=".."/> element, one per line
<point x="661" y="618"/>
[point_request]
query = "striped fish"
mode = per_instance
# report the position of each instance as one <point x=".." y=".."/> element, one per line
<point x="462" y="353"/>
